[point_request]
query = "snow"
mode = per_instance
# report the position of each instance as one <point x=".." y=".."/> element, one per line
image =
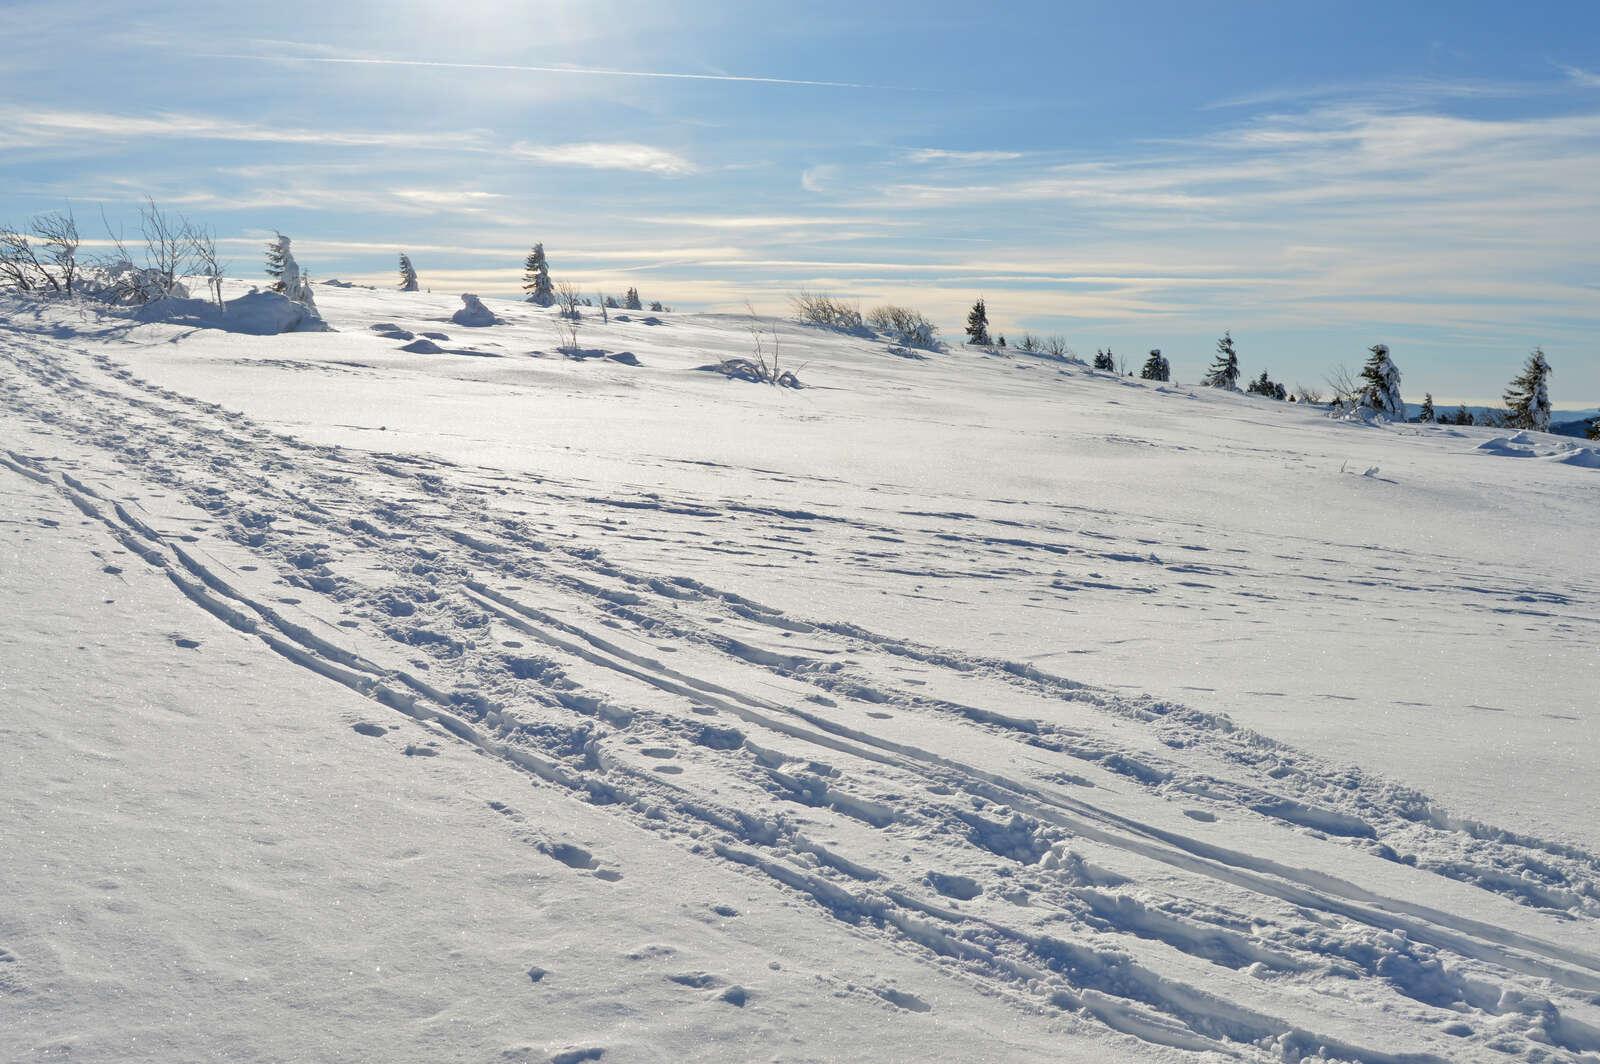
<point x="367" y="704"/>
<point x="474" y="313"/>
<point x="255" y="313"/>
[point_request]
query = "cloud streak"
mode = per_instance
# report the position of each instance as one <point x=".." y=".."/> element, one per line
<point x="47" y="128"/>
<point x="577" y="71"/>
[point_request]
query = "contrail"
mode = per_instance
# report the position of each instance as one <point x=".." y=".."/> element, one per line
<point x="590" y="71"/>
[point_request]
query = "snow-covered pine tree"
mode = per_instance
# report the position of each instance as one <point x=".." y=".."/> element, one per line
<point x="1002" y="341"/>
<point x="1463" y="415"/>
<point x="408" y="274"/>
<point x="632" y="301"/>
<point x="536" y="278"/>
<point x="277" y="256"/>
<point x="978" y="325"/>
<point x="1224" y="371"/>
<point x="1594" y="429"/>
<point x="611" y="301"/>
<point x="1381" y="393"/>
<point x="1156" y="367"/>
<point x="1427" y="415"/>
<point x="1528" y="397"/>
<point x="1105" y="360"/>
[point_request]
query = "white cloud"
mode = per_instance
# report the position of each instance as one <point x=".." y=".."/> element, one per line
<point x="942" y="155"/>
<point x="1588" y="79"/>
<point x="641" y="158"/>
<point x="818" y="178"/>
<point x="56" y="128"/>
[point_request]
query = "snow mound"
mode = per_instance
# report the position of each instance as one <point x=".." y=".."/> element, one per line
<point x="423" y="347"/>
<point x="473" y="313"/>
<point x="1583" y="457"/>
<point x="253" y="314"/>
<point x="1539" y="445"/>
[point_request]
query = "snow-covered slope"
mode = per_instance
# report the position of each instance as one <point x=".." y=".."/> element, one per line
<point x="486" y="704"/>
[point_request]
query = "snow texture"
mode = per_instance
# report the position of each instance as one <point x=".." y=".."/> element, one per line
<point x="366" y="705"/>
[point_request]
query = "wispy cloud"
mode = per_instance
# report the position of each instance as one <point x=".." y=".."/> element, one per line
<point x="44" y="128"/>
<point x="945" y="155"/>
<point x="600" y="156"/>
<point x="577" y="71"/>
<point x="1588" y="79"/>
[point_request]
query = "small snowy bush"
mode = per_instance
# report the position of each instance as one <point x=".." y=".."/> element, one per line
<point x="830" y="313"/>
<point x="905" y="326"/>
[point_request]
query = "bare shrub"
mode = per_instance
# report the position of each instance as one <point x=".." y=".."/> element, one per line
<point x="814" y="309"/>
<point x="208" y="264"/>
<point x="905" y="326"/>
<point x="569" y="299"/>
<point x="43" y="258"/>
<point x="1344" y="385"/>
<point x="762" y="366"/>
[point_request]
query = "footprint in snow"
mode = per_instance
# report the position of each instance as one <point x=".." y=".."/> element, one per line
<point x="364" y="728"/>
<point x="187" y="644"/>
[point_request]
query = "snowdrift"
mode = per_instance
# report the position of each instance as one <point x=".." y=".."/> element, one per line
<point x="254" y="314"/>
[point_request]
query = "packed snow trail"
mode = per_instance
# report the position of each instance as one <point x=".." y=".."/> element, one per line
<point x="1049" y="842"/>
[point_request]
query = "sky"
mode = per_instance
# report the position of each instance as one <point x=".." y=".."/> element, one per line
<point x="1314" y="177"/>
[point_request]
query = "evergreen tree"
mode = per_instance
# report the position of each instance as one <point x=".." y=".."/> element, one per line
<point x="1224" y="371"/>
<point x="1528" y="397"/>
<point x="1594" y="429"/>
<point x="1002" y="341"/>
<point x="277" y="260"/>
<point x="1427" y="414"/>
<point x="1463" y="415"/>
<point x="1156" y="368"/>
<point x="408" y="275"/>
<point x="536" y="278"/>
<point x="632" y="301"/>
<point x="1381" y="393"/>
<point x="978" y="325"/>
<point x="1105" y="360"/>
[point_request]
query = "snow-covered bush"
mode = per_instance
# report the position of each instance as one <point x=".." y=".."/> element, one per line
<point x="813" y="309"/>
<point x="123" y="284"/>
<point x="257" y="313"/>
<point x="1380" y="390"/>
<point x="408" y="274"/>
<point x="536" y="278"/>
<point x="1265" y="385"/>
<point x="904" y="326"/>
<point x="1156" y="367"/>
<point x="473" y="313"/>
<point x="288" y="279"/>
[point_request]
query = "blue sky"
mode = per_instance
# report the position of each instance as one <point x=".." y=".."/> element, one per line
<point x="1314" y="177"/>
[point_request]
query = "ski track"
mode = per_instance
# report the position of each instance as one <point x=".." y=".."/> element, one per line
<point x="777" y="744"/>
